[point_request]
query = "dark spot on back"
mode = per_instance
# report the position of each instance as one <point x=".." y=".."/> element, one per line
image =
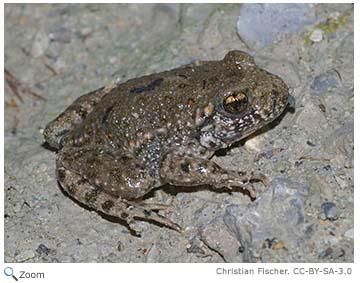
<point x="182" y="76"/>
<point x="204" y="84"/>
<point x="149" y="87"/>
<point x="106" y="114"/>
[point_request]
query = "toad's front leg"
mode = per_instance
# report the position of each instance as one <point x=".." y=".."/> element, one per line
<point x="180" y="170"/>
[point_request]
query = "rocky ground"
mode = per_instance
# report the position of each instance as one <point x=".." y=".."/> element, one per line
<point x="54" y="53"/>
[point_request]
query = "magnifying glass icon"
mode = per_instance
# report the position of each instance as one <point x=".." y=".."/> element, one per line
<point x="9" y="271"/>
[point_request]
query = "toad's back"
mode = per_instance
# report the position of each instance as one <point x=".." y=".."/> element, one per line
<point x="167" y="106"/>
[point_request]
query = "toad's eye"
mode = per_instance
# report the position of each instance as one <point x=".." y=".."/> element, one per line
<point x="235" y="102"/>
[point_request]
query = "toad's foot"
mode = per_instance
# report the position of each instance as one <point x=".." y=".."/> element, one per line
<point x="148" y="211"/>
<point x="192" y="171"/>
<point x="93" y="196"/>
<point x="248" y="179"/>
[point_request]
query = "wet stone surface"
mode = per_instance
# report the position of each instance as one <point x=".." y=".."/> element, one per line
<point x="60" y="51"/>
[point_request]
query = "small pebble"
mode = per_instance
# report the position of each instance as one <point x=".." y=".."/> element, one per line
<point x="317" y="35"/>
<point x="310" y="143"/>
<point x="330" y="210"/>
<point x="322" y="107"/>
<point x="326" y="253"/>
<point x="118" y="81"/>
<point x="329" y="79"/>
<point x="42" y="249"/>
<point x="332" y="240"/>
<point x="61" y="34"/>
<point x="327" y="167"/>
<point x="254" y="144"/>
<point x="349" y="234"/>
<point x="298" y="163"/>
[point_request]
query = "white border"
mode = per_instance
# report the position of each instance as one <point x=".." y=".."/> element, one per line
<point x="122" y="272"/>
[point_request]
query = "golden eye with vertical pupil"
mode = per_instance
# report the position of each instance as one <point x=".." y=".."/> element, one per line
<point x="235" y="102"/>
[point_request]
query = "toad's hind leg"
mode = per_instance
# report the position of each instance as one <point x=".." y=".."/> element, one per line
<point x="72" y="116"/>
<point x="85" y="191"/>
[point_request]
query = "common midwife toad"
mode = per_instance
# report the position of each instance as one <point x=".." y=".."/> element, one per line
<point x="117" y="144"/>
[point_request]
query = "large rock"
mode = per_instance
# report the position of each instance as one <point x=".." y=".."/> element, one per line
<point x="260" y="25"/>
<point x="275" y="225"/>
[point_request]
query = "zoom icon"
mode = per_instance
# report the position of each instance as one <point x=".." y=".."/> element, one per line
<point x="9" y="271"/>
